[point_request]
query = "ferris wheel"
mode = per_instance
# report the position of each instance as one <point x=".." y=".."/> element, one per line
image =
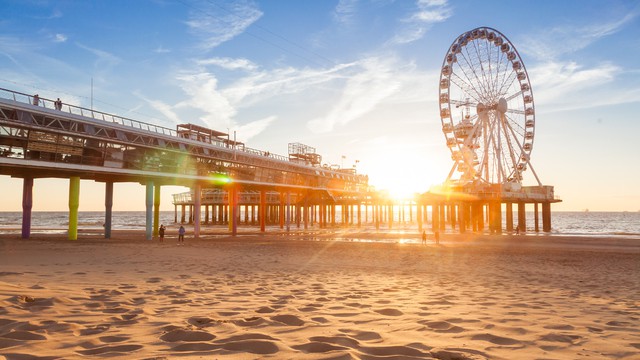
<point x="487" y="109"/>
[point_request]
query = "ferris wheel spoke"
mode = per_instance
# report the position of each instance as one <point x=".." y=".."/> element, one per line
<point x="515" y="111"/>
<point x="467" y="88"/>
<point x="475" y="69"/>
<point x="513" y="96"/>
<point x="475" y="85"/>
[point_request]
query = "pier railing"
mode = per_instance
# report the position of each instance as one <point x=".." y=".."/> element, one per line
<point x="103" y="116"/>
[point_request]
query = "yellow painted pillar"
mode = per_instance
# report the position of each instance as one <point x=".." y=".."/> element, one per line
<point x="74" y="203"/>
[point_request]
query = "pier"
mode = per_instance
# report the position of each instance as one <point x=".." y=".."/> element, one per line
<point x="234" y="184"/>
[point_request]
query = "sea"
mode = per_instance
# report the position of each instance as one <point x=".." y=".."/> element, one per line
<point x="582" y="223"/>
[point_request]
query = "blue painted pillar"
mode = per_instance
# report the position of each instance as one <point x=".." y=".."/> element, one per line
<point x="197" y="194"/>
<point x="27" y="204"/>
<point x="108" y="205"/>
<point x="74" y="203"/>
<point x="156" y="211"/>
<point x="149" y="209"/>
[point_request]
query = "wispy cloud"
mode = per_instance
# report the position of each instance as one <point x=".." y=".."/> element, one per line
<point x="426" y="14"/>
<point x="373" y="82"/>
<point x="229" y="63"/>
<point x="59" y="38"/>
<point x="215" y="24"/>
<point x="568" y="39"/>
<point x="568" y="85"/>
<point x="104" y="58"/>
<point x="344" y="11"/>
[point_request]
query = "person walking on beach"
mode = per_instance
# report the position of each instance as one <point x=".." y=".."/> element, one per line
<point x="424" y="237"/>
<point x="436" y="236"/>
<point x="181" y="232"/>
<point x="161" y="232"/>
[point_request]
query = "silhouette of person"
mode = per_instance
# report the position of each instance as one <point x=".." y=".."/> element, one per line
<point x="181" y="232"/>
<point x="161" y="232"/>
<point x="424" y="237"/>
<point x="36" y="99"/>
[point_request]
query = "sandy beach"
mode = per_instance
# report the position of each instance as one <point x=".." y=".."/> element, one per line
<point x="308" y="296"/>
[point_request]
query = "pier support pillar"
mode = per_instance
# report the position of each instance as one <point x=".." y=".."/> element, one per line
<point x="197" y="206"/>
<point x="281" y="211"/>
<point x="262" y="210"/>
<point x="492" y="217"/>
<point x="462" y="217"/>
<point x="74" y="203"/>
<point x="435" y="218"/>
<point x="149" y="210"/>
<point x="522" y="218"/>
<point x="419" y="217"/>
<point x="156" y="210"/>
<point x="535" y="217"/>
<point x="546" y="216"/>
<point x="509" y="216"/>
<point x="108" y="206"/>
<point x="27" y="204"/>
<point x="288" y="211"/>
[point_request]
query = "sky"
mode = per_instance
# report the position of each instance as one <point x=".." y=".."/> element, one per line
<point x="355" y="79"/>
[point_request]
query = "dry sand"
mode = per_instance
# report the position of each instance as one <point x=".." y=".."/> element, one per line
<point x="307" y="296"/>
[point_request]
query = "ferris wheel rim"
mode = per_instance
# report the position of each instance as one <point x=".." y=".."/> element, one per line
<point x="527" y="113"/>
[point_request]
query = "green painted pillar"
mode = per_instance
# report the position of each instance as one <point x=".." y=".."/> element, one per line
<point x="74" y="203"/>
<point x="149" y="209"/>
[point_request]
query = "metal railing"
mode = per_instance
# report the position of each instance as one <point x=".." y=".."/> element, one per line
<point x="36" y="100"/>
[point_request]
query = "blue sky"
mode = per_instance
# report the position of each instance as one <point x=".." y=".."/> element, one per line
<point x="351" y="78"/>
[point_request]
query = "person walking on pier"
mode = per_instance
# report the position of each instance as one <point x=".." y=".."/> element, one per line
<point x="161" y="232"/>
<point x="36" y="99"/>
<point x="181" y="232"/>
<point x="58" y="104"/>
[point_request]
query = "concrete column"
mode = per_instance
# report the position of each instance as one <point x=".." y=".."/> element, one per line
<point x="206" y="214"/>
<point x="443" y="213"/>
<point x="197" y="206"/>
<point x="462" y="219"/>
<point x="262" y="210"/>
<point x="419" y="217"/>
<point x="522" y="218"/>
<point x="108" y="205"/>
<point x="535" y="216"/>
<point x="288" y="211"/>
<point x="156" y="210"/>
<point x="183" y="214"/>
<point x="281" y="210"/>
<point x="509" y="216"/>
<point x="435" y="218"/>
<point x="27" y="205"/>
<point x="74" y="203"/>
<point x="546" y="216"/>
<point x="149" y="210"/>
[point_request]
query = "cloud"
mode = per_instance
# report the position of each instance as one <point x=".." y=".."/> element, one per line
<point x="568" y="85"/>
<point x="161" y="50"/>
<point x="215" y="24"/>
<point x="229" y="63"/>
<point x="344" y="11"/>
<point x="163" y="108"/>
<point x="202" y="90"/>
<point x="254" y="128"/>
<point x="567" y="39"/>
<point x="426" y="14"/>
<point x="104" y="59"/>
<point x="363" y="91"/>
<point x="59" y="38"/>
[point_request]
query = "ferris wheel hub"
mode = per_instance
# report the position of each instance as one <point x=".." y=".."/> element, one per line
<point x="502" y="105"/>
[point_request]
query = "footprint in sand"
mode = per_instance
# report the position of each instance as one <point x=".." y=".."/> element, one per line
<point x="290" y="320"/>
<point x="389" y="312"/>
<point x="186" y="336"/>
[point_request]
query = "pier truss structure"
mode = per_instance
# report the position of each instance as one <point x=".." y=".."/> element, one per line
<point x="40" y="138"/>
<point x="488" y="121"/>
